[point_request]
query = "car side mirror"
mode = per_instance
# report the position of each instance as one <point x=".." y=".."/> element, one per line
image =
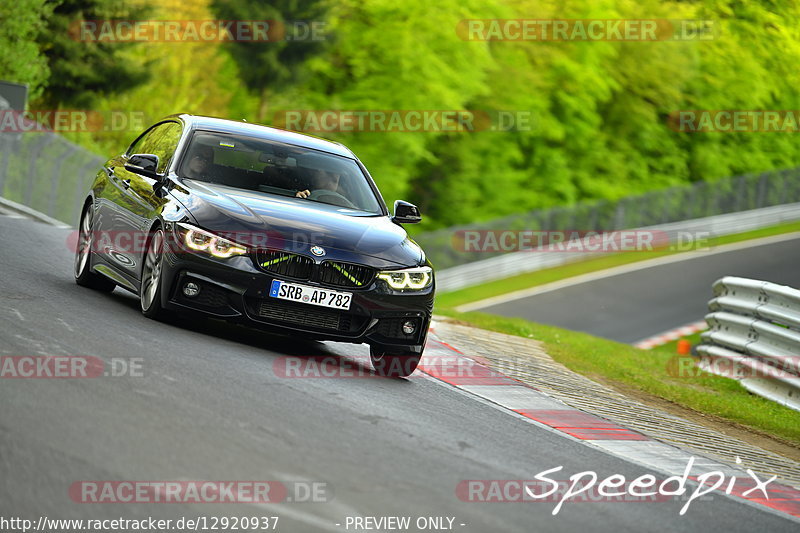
<point x="405" y="213"/>
<point x="143" y="164"/>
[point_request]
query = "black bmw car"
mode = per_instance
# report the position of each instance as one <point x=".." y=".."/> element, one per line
<point x="253" y="224"/>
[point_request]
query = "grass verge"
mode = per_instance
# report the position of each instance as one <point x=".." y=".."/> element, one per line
<point x="655" y="373"/>
<point x="540" y="277"/>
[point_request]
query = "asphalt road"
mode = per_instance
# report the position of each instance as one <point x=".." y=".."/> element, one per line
<point x="633" y="306"/>
<point x="210" y="407"/>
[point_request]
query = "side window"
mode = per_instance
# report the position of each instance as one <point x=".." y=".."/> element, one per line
<point x="136" y="147"/>
<point x="162" y="141"/>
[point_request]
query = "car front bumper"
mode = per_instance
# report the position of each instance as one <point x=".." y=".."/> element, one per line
<point x="234" y="289"/>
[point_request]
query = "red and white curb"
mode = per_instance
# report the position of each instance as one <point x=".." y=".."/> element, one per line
<point x="447" y="364"/>
<point x="669" y="336"/>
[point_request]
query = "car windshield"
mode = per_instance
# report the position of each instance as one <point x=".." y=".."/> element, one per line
<point x="276" y="168"/>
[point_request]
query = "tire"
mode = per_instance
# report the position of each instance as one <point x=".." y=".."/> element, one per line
<point x="393" y="365"/>
<point x="83" y="256"/>
<point x="152" y="268"/>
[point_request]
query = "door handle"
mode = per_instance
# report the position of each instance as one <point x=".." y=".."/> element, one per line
<point x="109" y="171"/>
<point x="126" y="183"/>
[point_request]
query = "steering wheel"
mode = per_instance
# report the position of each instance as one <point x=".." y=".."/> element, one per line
<point x="335" y="198"/>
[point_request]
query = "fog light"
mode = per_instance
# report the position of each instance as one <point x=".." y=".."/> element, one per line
<point x="190" y="290"/>
<point x="409" y="327"/>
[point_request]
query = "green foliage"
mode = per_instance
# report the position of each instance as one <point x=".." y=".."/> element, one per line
<point x="82" y="71"/>
<point x="387" y="55"/>
<point x="21" y="60"/>
<point x="186" y="77"/>
<point x="599" y="109"/>
<point x="270" y="66"/>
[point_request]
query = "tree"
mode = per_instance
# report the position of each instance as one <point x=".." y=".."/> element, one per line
<point x="268" y="67"/>
<point x="22" y="61"/>
<point x="81" y="71"/>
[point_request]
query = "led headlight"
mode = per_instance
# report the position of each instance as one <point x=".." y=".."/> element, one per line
<point x="203" y="241"/>
<point x="416" y="278"/>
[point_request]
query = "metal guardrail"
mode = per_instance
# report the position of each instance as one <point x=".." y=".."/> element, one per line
<point x="46" y="172"/>
<point x="754" y="337"/>
<point x="514" y="263"/>
<point x="684" y="202"/>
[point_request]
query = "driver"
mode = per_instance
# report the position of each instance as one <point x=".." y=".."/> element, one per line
<point x="322" y="180"/>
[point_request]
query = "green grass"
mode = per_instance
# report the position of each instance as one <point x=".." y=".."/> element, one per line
<point x="659" y="372"/>
<point x="654" y="372"/>
<point x="540" y="277"/>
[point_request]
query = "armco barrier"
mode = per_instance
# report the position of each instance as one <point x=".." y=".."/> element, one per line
<point x="514" y="263"/>
<point x="755" y="334"/>
<point x="46" y="172"/>
<point x="694" y="201"/>
<point x="720" y="207"/>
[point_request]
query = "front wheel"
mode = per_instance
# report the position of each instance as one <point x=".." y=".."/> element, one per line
<point x="150" y="292"/>
<point x="393" y="365"/>
<point x="83" y="256"/>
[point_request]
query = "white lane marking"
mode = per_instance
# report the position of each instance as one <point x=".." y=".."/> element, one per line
<point x="147" y="393"/>
<point x="16" y="312"/>
<point x="41" y="348"/>
<point x="651" y="454"/>
<point x="166" y="377"/>
<point x="670" y="460"/>
<point x="515" y="396"/>
<point x="31" y="213"/>
<point x="662" y="457"/>
<point x="489" y="402"/>
<point x="486" y="400"/>
<point x="623" y="269"/>
<point x="65" y="324"/>
<point x="671" y="335"/>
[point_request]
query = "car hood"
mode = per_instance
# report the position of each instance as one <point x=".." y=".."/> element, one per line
<point x="295" y="225"/>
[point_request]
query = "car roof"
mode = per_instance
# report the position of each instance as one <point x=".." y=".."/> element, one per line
<point x="199" y="122"/>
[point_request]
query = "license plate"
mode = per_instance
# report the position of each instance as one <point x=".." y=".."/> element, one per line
<point x="310" y="295"/>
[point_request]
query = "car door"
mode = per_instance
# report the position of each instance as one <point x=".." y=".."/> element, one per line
<point x="113" y="206"/>
<point x="138" y="202"/>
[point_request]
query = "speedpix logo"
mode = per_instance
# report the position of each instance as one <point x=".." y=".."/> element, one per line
<point x="589" y="487"/>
